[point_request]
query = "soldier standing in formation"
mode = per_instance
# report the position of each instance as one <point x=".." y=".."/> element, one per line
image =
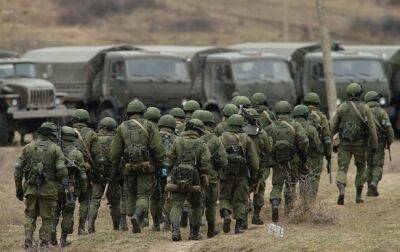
<point x="260" y="104"/>
<point x="357" y="131"/>
<point x="227" y="111"/>
<point x="41" y="167"/>
<point x="179" y="116"/>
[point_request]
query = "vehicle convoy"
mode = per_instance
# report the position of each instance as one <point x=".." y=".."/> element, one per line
<point x="349" y="66"/>
<point x="25" y="99"/>
<point x="105" y="79"/>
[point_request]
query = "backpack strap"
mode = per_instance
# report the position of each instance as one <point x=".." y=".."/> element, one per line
<point x="290" y="126"/>
<point x="268" y="117"/>
<point x="378" y="124"/>
<point x="140" y="125"/>
<point x="358" y="112"/>
<point x="85" y="146"/>
<point x="240" y="143"/>
<point x="316" y="115"/>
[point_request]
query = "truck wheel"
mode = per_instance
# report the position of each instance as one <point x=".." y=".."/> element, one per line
<point x="106" y="113"/>
<point x="217" y="116"/>
<point x="4" y="132"/>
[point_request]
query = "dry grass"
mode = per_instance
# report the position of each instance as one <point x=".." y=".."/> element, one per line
<point x="372" y="226"/>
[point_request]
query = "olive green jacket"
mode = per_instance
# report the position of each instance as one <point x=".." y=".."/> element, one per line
<point x="74" y="155"/>
<point x="383" y="125"/>
<point x="321" y="123"/>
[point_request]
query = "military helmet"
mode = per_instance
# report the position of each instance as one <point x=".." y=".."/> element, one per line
<point x="48" y="129"/>
<point x="241" y="100"/>
<point x="167" y="121"/>
<point x="108" y="123"/>
<point x="177" y="113"/>
<point x="135" y="107"/>
<point x="283" y="107"/>
<point x="301" y="111"/>
<point x="258" y="99"/>
<point x="191" y="106"/>
<point x="252" y="112"/>
<point x="372" y="96"/>
<point x="68" y="134"/>
<point x="204" y="115"/>
<point x="152" y="114"/>
<point x="236" y="120"/>
<point x="354" y="89"/>
<point x="195" y="124"/>
<point x="311" y="98"/>
<point x="230" y="109"/>
<point x="81" y="115"/>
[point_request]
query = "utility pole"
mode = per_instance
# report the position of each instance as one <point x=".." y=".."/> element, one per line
<point x="285" y="21"/>
<point x="330" y="85"/>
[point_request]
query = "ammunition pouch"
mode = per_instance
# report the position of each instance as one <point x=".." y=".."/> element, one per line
<point x="182" y="187"/>
<point x="144" y="167"/>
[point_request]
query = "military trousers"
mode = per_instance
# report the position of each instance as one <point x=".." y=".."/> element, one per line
<point x="113" y="196"/>
<point x="234" y="196"/>
<point x="177" y="202"/>
<point x="210" y="201"/>
<point x="375" y="162"/>
<point x="345" y="153"/>
<point x="309" y="178"/>
<point x="40" y="207"/>
<point x="158" y="199"/>
<point x="258" y="198"/>
<point x="140" y="188"/>
<point x="85" y="204"/>
<point x="124" y="198"/>
<point x="66" y="211"/>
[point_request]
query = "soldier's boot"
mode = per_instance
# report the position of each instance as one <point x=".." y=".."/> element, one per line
<point x="176" y="232"/>
<point x="239" y="227"/>
<point x="136" y="227"/>
<point x="342" y="189"/>
<point x="256" y="220"/>
<point x="369" y="190"/>
<point x="359" y="195"/>
<point x="227" y="221"/>
<point x="81" y="227"/>
<point x="63" y="239"/>
<point x="123" y="226"/>
<point x="28" y="241"/>
<point x="275" y="209"/>
<point x="91" y="224"/>
<point x="374" y="189"/>
<point x="43" y="246"/>
<point x="195" y="233"/>
<point x="245" y="222"/>
<point x="212" y="230"/>
<point x="53" y="238"/>
<point x="184" y="218"/>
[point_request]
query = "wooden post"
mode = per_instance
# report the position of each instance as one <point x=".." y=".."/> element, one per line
<point x="285" y="21"/>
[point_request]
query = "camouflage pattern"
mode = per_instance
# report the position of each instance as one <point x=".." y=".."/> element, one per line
<point x="37" y="172"/>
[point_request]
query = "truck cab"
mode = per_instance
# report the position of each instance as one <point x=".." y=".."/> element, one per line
<point x="25" y="100"/>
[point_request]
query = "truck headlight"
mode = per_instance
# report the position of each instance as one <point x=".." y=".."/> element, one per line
<point x="338" y="102"/>
<point x="382" y="101"/>
<point x="58" y="100"/>
<point x="14" y="102"/>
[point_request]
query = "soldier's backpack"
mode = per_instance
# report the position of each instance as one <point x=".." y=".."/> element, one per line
<point x="36" y="172"/>
<point x="284" y="138"/>
<point x="236" y="154"/>
<point x="167" y="140"/>
<point x="186" y="172"/>
<point x="136" y="138"/>
<point x="353" y="126"/>
<point x="102" y="158"/>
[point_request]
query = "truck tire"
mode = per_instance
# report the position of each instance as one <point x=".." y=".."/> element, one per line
<point x="106" y="113"/>
<point x="4" y="132"/>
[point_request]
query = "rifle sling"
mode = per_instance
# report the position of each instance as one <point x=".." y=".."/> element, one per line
<point x="358" y="112"/>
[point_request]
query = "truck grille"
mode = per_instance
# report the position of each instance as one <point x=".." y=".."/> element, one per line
<point x="41" y="98"/>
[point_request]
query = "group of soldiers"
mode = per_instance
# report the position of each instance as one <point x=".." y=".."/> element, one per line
<point x="177" y="166"/>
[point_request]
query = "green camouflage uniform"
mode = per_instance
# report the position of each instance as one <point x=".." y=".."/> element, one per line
<point x="138" y="142"/>
<point x="103" y="174"/>
<point x="266" y="116"/>
<point x="188" y="142"/>
<point x="41" y="166"/>
<point x="241" y="172"/>
<point x="220" y="128"/>
<point x="89" y="137"/>
<point x="376" y="160"/>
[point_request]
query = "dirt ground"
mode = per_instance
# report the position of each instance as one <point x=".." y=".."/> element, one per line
<point x="373" y="226"/>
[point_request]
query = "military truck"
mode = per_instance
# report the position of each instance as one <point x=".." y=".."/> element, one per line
<point x="348" y="66"/>
<point x="8" y="54"/>
<point x="105" y="79"/>
<point x="26" y="100"/>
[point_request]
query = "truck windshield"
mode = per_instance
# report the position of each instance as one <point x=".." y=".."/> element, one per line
<point x="358" y="68"/>
<point x="261" y="69"/>
<point x="17" y="70"/>
<point x="158" y="68"/>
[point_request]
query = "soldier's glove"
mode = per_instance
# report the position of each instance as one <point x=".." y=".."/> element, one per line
<point x="20" y="194"/>
<point x="82" y="197"/>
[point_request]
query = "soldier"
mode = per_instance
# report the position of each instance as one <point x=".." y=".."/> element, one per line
<point x="241" y="173"/>
<point x="263" y="145"/>
<point x="105" y="179"/>
<point x="290" y="145"/>
<point x="138" y="142"/>
<point x="355" y="124"/>
<point x="228" y="110"/>
<point x="376" y="160"/>
<point x="179" y="115"/>
<point x="74" y="184"/>
<point x="152" y="114"/>
<point x="42" y="167"/>
<point x="219" y="162"/>
<point x="189" y="107"/>
<point x="84" y="143"/>
<point x="301" y="114"/>
<point x="166" y="126"/>
<point x="259" y="103"/>
<point x="190" y="159"/>
<point x="241" y="101"/>
<point x="321" y="123"/>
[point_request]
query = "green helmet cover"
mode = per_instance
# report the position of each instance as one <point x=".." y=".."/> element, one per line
<point x="236" y="120"/>
<point x="354" y="89"/>
<point x="311" y="99"/>
<point x="177" y="113"/>
<point x="258" y="99"/>
<point x="81" y="115"/>
<point x="230" y="109"/>
<point x="372" y="96"/>
<point x="241" y="100"/>
<point x="283" y="107"/>
<point x="191" y="106"/>
<point x="152" y="114"/>
<point x="135" y="107"/>
<point x="301" y="111"/>
<point x="167" y="121"/>
<point x="108" y="123"/>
